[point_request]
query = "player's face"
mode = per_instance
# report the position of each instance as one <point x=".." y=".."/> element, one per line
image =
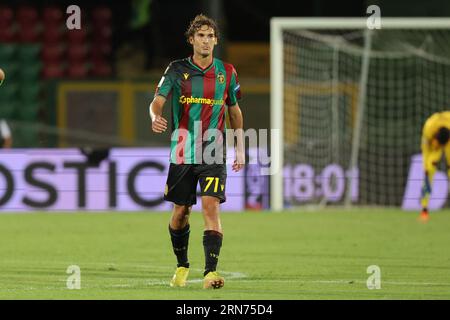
<point x="204" y="41"/>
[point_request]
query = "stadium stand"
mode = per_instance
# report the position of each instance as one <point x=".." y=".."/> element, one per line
<point x="36" y="44"/>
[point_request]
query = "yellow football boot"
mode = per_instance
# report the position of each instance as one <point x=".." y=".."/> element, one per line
<point x="180" y="277"/>
<point x="213" y="280"/>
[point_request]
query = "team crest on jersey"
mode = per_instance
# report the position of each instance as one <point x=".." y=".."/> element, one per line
<point x="221" y="77"/>
<point x="185" y="76"/>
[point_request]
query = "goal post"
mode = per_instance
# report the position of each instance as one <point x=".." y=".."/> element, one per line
<point x="349" y="103"/>
<point x="276" y="108"/>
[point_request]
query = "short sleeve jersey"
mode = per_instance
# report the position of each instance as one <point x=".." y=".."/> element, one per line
<point x="199" y="99"/>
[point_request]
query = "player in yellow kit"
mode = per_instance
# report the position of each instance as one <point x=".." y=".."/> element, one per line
<point x="435" y="142"/>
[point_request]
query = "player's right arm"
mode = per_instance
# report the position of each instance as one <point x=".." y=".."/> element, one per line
<point x="426" y="151"/>
<point x="428" y="132"/>
<point x="159" y="124"/>
<point x="428" y="164"/>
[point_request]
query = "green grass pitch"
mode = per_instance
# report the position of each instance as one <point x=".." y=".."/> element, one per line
<point x="290" y="255"/>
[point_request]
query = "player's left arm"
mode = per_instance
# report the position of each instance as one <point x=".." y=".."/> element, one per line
<point x="237" y="124"/>
<point x="236" y="119"/>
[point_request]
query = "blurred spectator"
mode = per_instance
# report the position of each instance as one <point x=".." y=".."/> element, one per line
<point x="140" y="13"/>
<point x="141" y="29"/>
<point x="136" y="50"/>
<point x="5" y="135"/>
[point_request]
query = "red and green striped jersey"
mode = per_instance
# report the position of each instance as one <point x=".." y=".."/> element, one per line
<point x="199" y="98"/>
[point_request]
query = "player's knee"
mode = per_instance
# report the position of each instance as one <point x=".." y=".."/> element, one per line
<point x="180" y="216"/>
<point x="182" y="211"/>
<point x="211" y="207"/>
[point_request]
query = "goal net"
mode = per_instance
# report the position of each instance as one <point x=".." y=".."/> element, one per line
<point x="351" y="103"/>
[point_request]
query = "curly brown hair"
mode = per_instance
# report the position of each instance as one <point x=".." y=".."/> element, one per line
<point x="199" y="21"/>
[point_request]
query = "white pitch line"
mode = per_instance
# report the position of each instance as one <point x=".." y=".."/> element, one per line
<point x="239" y="276"/>
<point x="350" y="282"/>
<point x="229" y="275"/>
<point x="387" y="282"/>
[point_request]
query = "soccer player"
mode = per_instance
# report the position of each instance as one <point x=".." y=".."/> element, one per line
<point x="203" y="88"/>
<point x="5" y="135"/>
<point x="435" y="142"/>
<point x="2" y="76"/>
<point x="5" y="132"/>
